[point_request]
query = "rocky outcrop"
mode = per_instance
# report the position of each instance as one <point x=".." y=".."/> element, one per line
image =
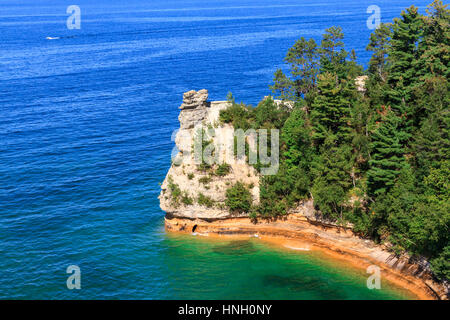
<point x="307" y="210"/>
<point x="194" y="108"/>
<point x="193" y="181"/>
<point x="361" y="83"/>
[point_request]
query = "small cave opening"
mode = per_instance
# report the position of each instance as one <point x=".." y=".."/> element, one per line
<point x="194" y="228"/>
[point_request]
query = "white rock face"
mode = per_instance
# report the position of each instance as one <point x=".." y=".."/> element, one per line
<point x="361" y="83"/>
<point x="197" y="113"/>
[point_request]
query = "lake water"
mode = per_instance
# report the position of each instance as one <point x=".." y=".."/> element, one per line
<point x="85" y="139"/>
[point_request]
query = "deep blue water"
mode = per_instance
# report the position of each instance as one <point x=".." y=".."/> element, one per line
<point x="86" y="123"/>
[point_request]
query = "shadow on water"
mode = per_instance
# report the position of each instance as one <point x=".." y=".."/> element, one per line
<point x="305" y="283"/>
<point x="236" y="248"/>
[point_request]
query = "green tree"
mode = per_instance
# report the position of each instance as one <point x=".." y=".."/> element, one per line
<point x="332" y="180"/>
<point x="238" y="198"/>
<point x="332" y="53"/>
<point x="282" y="86"/>
<point x="330" y="110"/>
<point x="431" y="143"/>
<point x="433" y="51"/>
<point x="430" y="92"/>
<point x="269" y="115"/>
<point x="361" y="122"/>
<point x="441" y="264"/>
<point x="403" y="50"/>
<point x="388" y="154"/>
<point x="302" y="58"/>
<point x="437" y="182"/>
<point x="296" y="136"/>
<point x="379" y="45"/>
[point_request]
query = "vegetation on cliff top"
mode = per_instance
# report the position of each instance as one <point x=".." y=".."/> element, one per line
<point x="378" y="156"/>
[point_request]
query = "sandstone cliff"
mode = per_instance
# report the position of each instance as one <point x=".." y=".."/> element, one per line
<point x="188" y="179"/>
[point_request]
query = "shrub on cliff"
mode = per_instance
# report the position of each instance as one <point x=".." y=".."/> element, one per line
<point x="238" y="198"/>
<point x="205" y="180"/>
<point x="236" y="114"/>
<point x="266" y="115"/>
<point x="205" y="201"/>
<point x="223" y="170"/>
<point x="175" y="192"/>
<point x="203" y="148"/>
<point x="186" y="200"/>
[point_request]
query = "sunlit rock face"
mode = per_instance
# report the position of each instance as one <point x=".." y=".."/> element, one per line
<point x="198" y="113"/>
<point x="361" y="83"/>
<point x="194" y="108"/>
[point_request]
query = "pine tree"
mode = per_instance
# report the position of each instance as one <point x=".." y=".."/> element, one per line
<point x="332" y="178"/>
<point x="406" y="33"/>
<point x="302" y="58"/>
<point x="282" y="86"/>
<point x="297" y="141"/>
<point x="388" y="154"/>
<point x="362" y="121"/>
<point x="376" y="85"/>
<point x="431" y="143"/>
<point x="332" y="53"/>
<point x="433" y="51"/>
<point x="432" y="70"/>
<point x="330" y="110"/>
<point x="379" y="45"/>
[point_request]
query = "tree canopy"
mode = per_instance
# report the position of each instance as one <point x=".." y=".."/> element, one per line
<point x="376" y="156"/>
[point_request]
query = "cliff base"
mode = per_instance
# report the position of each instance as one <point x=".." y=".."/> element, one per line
<point x="296" y="232"/>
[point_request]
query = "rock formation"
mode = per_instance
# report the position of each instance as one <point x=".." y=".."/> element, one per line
<point x="193" y="109"/>
<point x="361" y="83"/>
<point x="187" y="176"/>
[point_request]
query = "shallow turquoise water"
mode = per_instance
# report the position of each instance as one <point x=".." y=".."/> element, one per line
<point x="252" y="269"/>
<point x="85" y="139"/>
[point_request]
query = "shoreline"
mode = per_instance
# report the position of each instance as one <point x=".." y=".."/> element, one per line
<point x="295" y="232"/>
